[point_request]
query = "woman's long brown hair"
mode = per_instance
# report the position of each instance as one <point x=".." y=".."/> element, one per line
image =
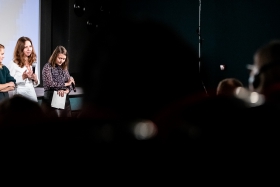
<point x="19" y="55"/>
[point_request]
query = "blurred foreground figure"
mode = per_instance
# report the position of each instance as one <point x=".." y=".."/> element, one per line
<point x="264" y="83"/>
<point x="133" y="69"/>
<point x="265" y="72"/>
<point x="20" y="112"/>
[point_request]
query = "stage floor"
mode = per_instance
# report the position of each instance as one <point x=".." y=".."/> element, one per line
<point x="76" y="98"/>
<point x="40" y="92"/>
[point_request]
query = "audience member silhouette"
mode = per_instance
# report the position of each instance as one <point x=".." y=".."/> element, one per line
<point x="21" y="122"/>
<point x="265" y="80"/>
<point x="264" y="76"/>
<point x="136" y="69"/>
<point x="19" y="111"/>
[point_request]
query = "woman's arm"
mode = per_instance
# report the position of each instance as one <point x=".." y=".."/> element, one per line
<point x="68" y="84"/>
<point x="16" y="72"/>
<point x="47" y="77"/>
<point x="8" y="79"/>
<point x="7" y="87"/>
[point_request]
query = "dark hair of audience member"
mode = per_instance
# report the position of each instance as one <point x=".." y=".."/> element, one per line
<point x="19" y="111"/>
<point x="227" y="86"/>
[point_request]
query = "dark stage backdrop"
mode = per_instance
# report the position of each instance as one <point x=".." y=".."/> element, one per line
<point x="231" y="31"/>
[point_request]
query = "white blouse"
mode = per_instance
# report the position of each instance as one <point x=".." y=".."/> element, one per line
<point x="17" y="72"/>
<point x="25" y="87"/>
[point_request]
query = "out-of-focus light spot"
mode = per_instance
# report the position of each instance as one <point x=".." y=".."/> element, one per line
<point x="222" y="67"/>
<point x="250" y="66"/>
<point x="145" y="129"/>
<point x="250" y="98"/>
<point x="242" y="93"/>
<point x="238" y="90"/>
<point x="253" y="68"/>
<point x="254" y="97"/>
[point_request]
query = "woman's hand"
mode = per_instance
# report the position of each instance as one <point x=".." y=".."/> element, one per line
<point x="34" y="78"/>
<point x="11" y="84"/>
<point x="61" y="93"/>
<point x="27" y="74"/>
<point x="70" y="81"/>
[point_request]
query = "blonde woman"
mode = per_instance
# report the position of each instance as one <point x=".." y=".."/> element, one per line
<point x="7" y="82"/>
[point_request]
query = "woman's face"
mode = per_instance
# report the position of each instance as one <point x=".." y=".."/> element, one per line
<point x="60" y="59"/>
<point x="27" y="48"/>
<point x="2" y="52"/>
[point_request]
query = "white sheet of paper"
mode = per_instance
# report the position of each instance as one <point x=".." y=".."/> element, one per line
<point x="57" y="101"/>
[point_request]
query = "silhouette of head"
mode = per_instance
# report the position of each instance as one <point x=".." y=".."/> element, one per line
<point x="226" y="87"/>
<point x="135" y="68"/>
<point x="266" y="68"/>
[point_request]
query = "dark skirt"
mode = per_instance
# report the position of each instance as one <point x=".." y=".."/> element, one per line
<point x="55" y="112"/>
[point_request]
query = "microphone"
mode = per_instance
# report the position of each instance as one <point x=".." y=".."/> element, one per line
<point x="73" y="86"/>
<point x="33" y="68"/>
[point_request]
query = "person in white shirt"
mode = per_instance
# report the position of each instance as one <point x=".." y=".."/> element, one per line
<point x="21" y="69"/>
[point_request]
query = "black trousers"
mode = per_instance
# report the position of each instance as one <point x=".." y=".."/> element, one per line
<point x="55" y="112"/>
